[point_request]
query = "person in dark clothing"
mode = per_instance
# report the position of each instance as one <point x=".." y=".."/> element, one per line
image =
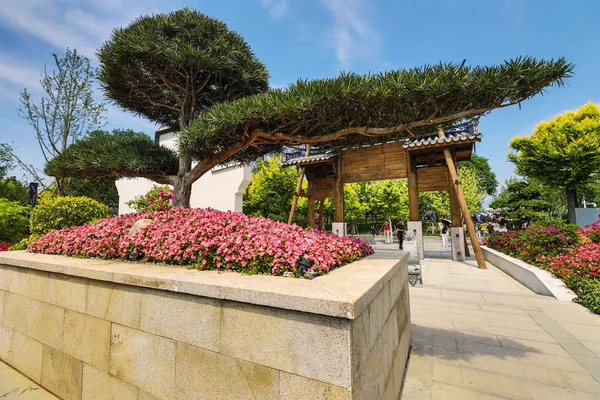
<point x="400" y="229"/>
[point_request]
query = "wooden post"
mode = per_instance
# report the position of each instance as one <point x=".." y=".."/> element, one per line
<point x="454" y="208"/>
<point x="321" y="216"/>
<point x="339" y="191"/>
<point x="310" y="214"/>
<point x="463" y="204"/>
<point x="298" y="188"/>
<point x="413" y="189"/>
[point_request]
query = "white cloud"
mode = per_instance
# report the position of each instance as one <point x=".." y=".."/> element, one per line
<point x="351" y="35"/>
<point x="277" y="8"/>
<point x="64" y="23"/>
<point x="17" y="73"/>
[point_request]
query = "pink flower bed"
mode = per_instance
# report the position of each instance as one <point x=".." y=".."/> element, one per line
<point x="206" y="239"/>
<point x="4" y="246"/>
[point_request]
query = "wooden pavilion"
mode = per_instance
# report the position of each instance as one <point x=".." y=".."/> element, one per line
<point x="428" y="162"/>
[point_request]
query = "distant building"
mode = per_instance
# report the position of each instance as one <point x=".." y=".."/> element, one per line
<point x="222" y="188"/>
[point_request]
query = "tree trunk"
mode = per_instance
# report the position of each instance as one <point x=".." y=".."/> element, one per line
<point x="182" y="191"/>
<point x="60" y="186"/>
<point x="571" y="205"/>
<point x="182" y="182"/>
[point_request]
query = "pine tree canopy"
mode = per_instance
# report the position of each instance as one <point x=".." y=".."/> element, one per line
<point x="121" y="154"/>
<point x="171" y="67"/>
<point x="361" y="109"/>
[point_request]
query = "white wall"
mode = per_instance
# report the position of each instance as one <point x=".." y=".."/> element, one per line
<point x="221" y="188"/>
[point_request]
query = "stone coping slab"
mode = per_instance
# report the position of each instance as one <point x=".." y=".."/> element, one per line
<point x="540" y="281"/>
<point x="343" y="292"/>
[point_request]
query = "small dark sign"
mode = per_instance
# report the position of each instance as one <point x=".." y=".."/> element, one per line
<point x="32" y="194"/>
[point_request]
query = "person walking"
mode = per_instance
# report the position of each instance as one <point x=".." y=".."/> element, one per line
<point x="373" y="228"/>
<point x="445" y="235"/>
<point x="483" y="228"/>
<point x="387" y="231"/>
<point x="400" y="229"/>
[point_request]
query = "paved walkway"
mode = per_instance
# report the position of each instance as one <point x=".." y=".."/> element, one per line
<point x="479" y="334"/>
<point x="14" y="386"/>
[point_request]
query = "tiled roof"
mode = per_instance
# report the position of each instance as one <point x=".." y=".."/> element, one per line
<point x="433" y="140"/>
<point x="310" y="159"/>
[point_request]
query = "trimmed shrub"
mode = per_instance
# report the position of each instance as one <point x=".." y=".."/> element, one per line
<point x="24" y="243"/>
<point x="13" y="220"/>
<point x="588" y="294"/>
<point x="159" y="198"/>
<point x="207" y="239"/>
<point x="65" y="212"/>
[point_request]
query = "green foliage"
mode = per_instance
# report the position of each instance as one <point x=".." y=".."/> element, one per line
<point x="564" y="151"/>
<point x="13" y="190"/>
<point x="24" y="243"/>
<point x="520" y="202"/>
<point x="271" y="190"/>
<point x="120" y="154"/>
<point x="485" y="175"/>
<point x="62" y="212"/>
<point x="7" y="161"/>
<point x="588" y="294"/>
<point x="68" y="110"/>
<point x="568" y="230"/>
<point x="358" y="109"/>
<point x="13" y="220"/>
<point x="171" y="67"/>
<point x="439" y="202"/>
<point x="387" y="198"/>
<point x="159" y="198"/>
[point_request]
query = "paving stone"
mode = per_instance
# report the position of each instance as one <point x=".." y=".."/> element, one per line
<point x="249" y="380"/>
<point x="144" y="360"/>
<point x="87" y="339"/>
<point x="14" y="385"/>
<point x="114" y="302"/>
<point x="67" y="292"/>
<point x="46" y="323"/>
<point x="313" y="346"/>
<point x="62" y="374"/>
<point x="26" y="355"/>
<point x="98" y="385"/>
<point x="510" y="343"/>
<point x="294" y="387"/>
<point x="189" y="319"/>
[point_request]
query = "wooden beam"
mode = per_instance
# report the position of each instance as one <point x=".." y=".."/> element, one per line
<point x="413" y="189"/>
<point x="298" y="188"/>
<point x="454" y="204"/>
<point x="339" y="190"/>
<point x="463" y="205"/>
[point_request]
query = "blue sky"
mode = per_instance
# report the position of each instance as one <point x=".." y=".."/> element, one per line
<point x="319" y="38"/>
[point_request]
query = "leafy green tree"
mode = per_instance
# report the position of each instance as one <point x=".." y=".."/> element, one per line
<point x="271" y="189"/>
<point x="485" y="175"/>
<point x="563" y="152"/>
<point x="68" y="110"/>
<point x="387" y="198"/>
<point x="7" y="161"/>
<point x="348" y="110"/>
<point x="520" y="202"/>
<point x="439" y="202"/>
<point x="13" y="190"/>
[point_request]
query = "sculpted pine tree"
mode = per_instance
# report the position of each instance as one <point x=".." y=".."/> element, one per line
<point x="182" y="69"/>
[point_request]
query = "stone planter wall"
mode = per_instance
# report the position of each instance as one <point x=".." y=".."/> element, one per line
<point x="91" y="329"/>
<point x="539" y="281"/>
